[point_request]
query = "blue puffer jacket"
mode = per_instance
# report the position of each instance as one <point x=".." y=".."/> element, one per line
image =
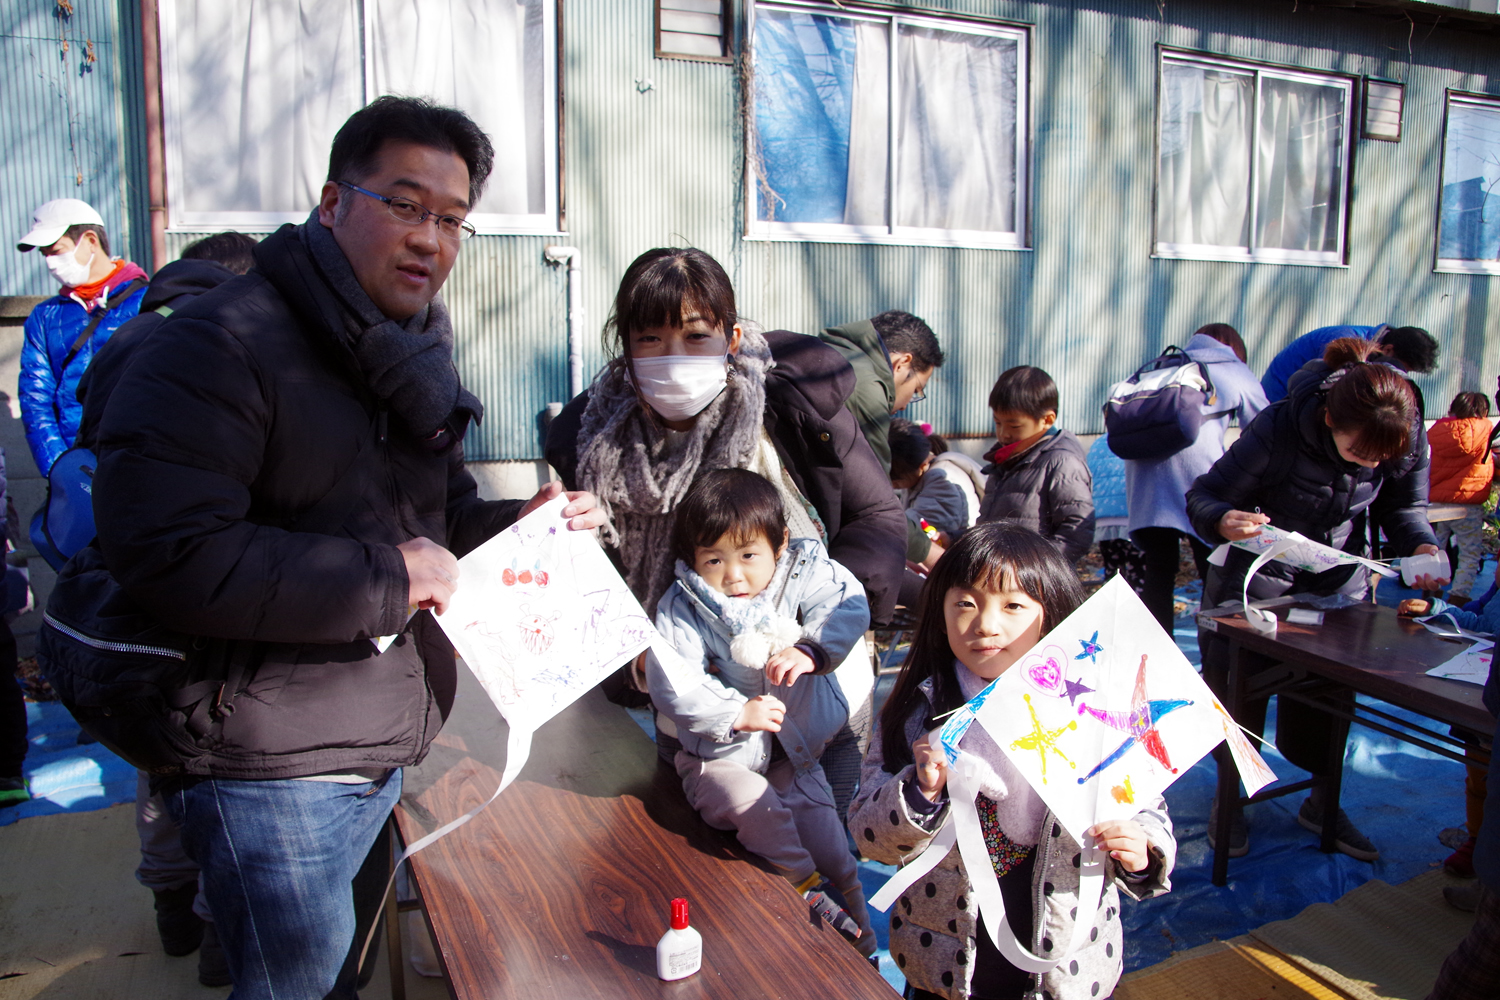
<point x="1108" y="470"/>
<point x="703" y="695"/>
<point x="49" y="406"/>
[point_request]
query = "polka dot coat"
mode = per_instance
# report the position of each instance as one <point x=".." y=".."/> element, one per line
<point x="933" y="923"/>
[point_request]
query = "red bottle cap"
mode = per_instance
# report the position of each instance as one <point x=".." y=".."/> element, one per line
<point x="679" y="914"/>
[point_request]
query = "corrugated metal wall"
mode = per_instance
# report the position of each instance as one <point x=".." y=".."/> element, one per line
<point x="653" y="157"/>
<point x="1088" y="303"/>
<point x="61" y="120"/>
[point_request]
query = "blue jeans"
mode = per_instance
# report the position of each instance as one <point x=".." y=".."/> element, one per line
<point x="279" y="861"/>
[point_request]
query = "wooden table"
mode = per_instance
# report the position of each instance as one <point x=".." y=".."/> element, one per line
<point x="1366" y="649"/>
<point x="561" y="888"/>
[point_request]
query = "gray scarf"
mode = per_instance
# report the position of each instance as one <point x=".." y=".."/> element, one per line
<point x="409" y="365"/>
<point x="623" y="459"/>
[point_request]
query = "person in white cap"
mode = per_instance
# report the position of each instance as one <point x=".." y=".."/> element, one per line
<point x="98" y="294"/>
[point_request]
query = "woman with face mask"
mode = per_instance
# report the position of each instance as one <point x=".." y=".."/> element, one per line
<point x="691" y="388"/>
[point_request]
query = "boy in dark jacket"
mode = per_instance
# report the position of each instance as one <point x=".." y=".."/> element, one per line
<point x="1038" y="472"/>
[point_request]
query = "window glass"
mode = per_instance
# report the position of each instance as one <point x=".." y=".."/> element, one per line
<point x="1251" y="163"/>
<point x="850" y="140"/>
<point x="1469" y="230"/>
<point x="254" y="93"/>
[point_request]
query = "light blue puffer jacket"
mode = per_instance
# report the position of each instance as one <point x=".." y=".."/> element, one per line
<point x="703" y="694"/>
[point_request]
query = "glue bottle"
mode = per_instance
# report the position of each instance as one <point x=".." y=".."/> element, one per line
<point x="679" y="953"/>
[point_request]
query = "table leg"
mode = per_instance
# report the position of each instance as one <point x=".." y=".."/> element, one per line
<point x="1228" y="790"/>
<point x="394" y="947"/>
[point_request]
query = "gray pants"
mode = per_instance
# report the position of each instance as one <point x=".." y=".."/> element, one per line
<point x="164" y="864"/>
<point x="786" y="818"/>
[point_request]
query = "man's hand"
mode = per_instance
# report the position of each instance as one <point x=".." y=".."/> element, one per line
<point x="761" y="714"/>
<point x="583" y="509"/>
<point x="932" y="767"/>
<point x="789" y="664"/>
<point x="1237" y="525"/>
<point x="1125" y="841"/>
<point x="432" y="572"/>
<point x="1427" y="581"/>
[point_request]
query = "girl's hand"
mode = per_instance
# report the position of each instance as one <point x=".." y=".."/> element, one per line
<point x="931" y="767"/>
<point x="786" y="666"/>
<point x="1125" y="841"/>
<point x="1412" y="607"/>
<point x="1427" y="581"/>
<point x="1237" y="525"/>
<point x="761" y="714"/>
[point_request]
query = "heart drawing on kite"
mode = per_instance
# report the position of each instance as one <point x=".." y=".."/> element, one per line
<point x="1045" y="671"/>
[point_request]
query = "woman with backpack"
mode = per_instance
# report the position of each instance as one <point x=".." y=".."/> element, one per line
<point x="1157" y="488"/>
<point x="1344" y="449"/>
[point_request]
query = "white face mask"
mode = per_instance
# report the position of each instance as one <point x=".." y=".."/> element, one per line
<point x="66" y="268"/>
<point x="680" y="386"/>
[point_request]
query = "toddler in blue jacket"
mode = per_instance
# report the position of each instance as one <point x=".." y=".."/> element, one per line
<point x="759" y="622"/>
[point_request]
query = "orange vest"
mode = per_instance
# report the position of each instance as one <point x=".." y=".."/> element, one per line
<point x="1462" y="467"/>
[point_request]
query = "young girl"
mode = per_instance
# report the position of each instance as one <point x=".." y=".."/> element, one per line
<point x="992" y="597"/>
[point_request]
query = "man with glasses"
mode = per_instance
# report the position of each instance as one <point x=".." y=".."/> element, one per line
<point x="282" y="466"/>
<point x="893" y="356"/>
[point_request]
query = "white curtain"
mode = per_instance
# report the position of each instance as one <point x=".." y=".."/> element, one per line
<point x="956" y="130"/>
<point x="869" y="126"/>
<point x="256" y="91"/>
<point x="1203" y="196"/>
<point x="485" y="57"/>
<point x="1300" y="173"/>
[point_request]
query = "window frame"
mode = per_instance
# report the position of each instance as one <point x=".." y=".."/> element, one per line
<point x="892" y="234"/>
<point x="182" y="220"/>
<point x="1253" y="255"/>
<point x="1458" y="265"/>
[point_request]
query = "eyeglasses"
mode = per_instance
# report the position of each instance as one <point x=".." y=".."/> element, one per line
<point x="919" y="395"/>
<point x="407" y="211"/>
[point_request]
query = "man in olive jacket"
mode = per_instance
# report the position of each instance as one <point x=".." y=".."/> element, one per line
<point x="281" y="465"/>
<point x="893" y="355"/>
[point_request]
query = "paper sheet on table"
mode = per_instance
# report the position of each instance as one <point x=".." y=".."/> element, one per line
<point x="1472" y="666"/>
<point x="540" y="616"/>
<point x="1100" y="717"/>
<point x="1294" y="549"/>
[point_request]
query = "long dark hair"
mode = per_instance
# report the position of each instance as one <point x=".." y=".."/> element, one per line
<point x="991" y="556"/>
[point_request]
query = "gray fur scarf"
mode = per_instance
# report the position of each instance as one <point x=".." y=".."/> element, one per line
<point x="623" y="459"/>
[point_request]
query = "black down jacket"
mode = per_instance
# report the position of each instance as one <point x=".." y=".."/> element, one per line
<point x="234" y="417"/>
<point x="1286" y="464"/>
<point x="822" y="448"/>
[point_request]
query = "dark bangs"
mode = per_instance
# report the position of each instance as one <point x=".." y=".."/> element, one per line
<point x="999" y="555"/>
<point x="1374" y="403"/>
<point x="734" y="502"/>
<point x="660" y="286"/>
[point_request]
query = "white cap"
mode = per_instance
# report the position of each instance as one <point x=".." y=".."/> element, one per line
<point x="52" y="220"/>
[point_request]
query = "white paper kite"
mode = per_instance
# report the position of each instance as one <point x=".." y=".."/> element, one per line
<point x="1100" y="718"/>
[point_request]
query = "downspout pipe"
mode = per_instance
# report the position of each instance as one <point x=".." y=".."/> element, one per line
<point x="571" y="256"/>
<point x="156" y="170"/>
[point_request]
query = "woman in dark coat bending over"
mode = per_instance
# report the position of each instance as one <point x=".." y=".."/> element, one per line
<point x="1345" y="449"/>
<point x="690" y="389"/>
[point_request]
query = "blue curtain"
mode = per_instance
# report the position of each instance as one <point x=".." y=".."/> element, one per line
<point x="1471" y="204"/>
<point x="804" y="86"/>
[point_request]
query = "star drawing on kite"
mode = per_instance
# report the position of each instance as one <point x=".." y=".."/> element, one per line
<point x="1074" y="689"/>
<point x="1139" y="722"/>
<point x="1091" y="648"/>
<point x="1041" y="740"/>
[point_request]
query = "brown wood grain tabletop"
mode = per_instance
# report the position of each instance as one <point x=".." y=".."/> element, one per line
<point x="1369" y="648"/>
<point x="562" y="887"/>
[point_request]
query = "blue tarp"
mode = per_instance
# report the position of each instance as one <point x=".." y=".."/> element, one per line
<point x="64" y="776"/>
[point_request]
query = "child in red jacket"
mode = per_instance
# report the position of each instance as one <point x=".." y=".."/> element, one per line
<point x="1461" y="473"/>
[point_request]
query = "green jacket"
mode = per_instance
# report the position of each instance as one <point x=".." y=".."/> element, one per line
<point x="870" y="402"/>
